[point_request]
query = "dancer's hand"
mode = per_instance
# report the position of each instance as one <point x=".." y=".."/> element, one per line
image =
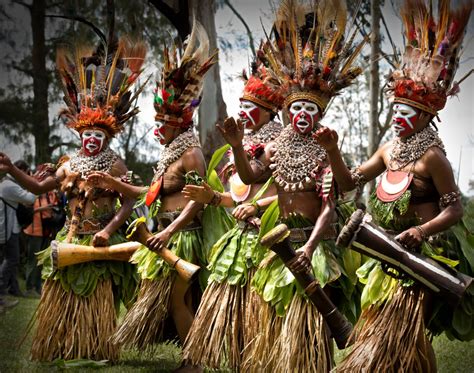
<point x="101" y="238"/>
<point x="158" y="241"/>
<point x="244" y="211"/>
<point x="411" y="238"/>
<point x="301" y="262"/>
<point x="199" y="193"/>
<point x="69" y="181"/>
<point x="232" y="131"/>
<point x="5" y="163"/>
<point x="99" y="179"/>
<point x="327" y="138"/>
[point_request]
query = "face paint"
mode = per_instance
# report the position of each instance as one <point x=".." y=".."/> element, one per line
<point x="160" y="132"/>
<point x="404" y="119"/>
<point x="93" y="141"/>
<point x="304" y="116"/>
<point x="249" y="114"/>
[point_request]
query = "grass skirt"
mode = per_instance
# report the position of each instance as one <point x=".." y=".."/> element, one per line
<point x="71" y="326"/>
<point x="229" y="313"/>
<point x="224" y="326"/>
<point x="392" y="338"/>
<point x="77" y="313"/>
<point x="144" y="323"/>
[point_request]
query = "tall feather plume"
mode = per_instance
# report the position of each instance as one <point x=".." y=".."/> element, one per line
<point x="431" y="55"/>
<point x="308" y="49"/>
<point x="179" y="88"/>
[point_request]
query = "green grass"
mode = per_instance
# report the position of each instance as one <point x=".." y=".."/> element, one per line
<point x="452" y="356"/>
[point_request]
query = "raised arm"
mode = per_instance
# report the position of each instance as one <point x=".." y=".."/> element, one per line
<point x="26" y="181"/>
<point x="233" y="133"/>
<point x="347" y="180"/>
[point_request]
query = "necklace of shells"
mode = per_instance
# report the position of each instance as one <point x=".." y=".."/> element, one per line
<point x="84" y="164"/>
<point x="268" y="132"/>
<point x="409" y="149"/>
<point x="296" y="159"/>
<point x="174" y="150"/>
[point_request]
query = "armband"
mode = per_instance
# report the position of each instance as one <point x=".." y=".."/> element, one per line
<point x="358" y="178"/>
<point x="260" y="166"/>
<point x="216" y="199"/>
<point x="449" y="198"/>
<point x="422" y="232"/>
<point x="257" y="207"/>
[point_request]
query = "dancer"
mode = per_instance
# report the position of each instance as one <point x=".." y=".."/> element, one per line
<point x="311" y="60"/>
<point x="228" y="314"/>
<point x="162" y="292"/>
<point x="77" y="312"/>
<point x="417" y="200"/>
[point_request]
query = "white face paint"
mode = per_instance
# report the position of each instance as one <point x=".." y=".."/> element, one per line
<point x="93" y="141"/>
<point x="160" y="132"/>
<point x="303" y="115"/>
<point x="249" y="113"/>
<point x="403" y="119"/>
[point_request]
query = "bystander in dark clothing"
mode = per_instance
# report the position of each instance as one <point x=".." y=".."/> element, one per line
<point x="11" y="195"/>
<point x="41" y="231"/>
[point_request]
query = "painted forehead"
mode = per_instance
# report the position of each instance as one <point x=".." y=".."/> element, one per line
<point x="304" y="105"/>
<point x="94" y="132"/>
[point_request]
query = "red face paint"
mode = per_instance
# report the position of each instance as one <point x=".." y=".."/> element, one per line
<point x="249" y="114"/>
<point x="404" y="119"/>
<point x="304" y="116"/>
<point x="92" y="141"/>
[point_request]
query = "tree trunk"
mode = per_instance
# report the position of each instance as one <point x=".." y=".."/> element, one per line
<point x="40" y="117"/>
<point x="374" y="82"/>
<point x="213" y="108"/>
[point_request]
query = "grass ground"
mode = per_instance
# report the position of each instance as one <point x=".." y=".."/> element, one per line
<point x="453" y="356"/>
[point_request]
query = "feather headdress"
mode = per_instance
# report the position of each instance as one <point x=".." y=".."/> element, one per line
<point x="262" y="87"/>
<point x="425" y="77"/>
<point x="97" y="83"/>
<point x="309" y="55"/>
<point x="178" y="92"/>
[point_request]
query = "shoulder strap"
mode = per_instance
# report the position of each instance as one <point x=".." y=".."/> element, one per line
<point x="7" y="204"/>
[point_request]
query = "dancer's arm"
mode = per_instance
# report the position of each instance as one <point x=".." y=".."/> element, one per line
<point x="249" y="172"/>
<point x="193" y="160"/>
<point x="102" y="237"/>
<point x="205" y="194"/>
<point x="325" y="218"/>
<point x="442" y="174"/>
<point x="369" y="170"/>
<point x="104" y="180"/>
<point x="29" y="182"/>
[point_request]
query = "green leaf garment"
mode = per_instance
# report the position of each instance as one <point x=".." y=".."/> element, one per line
<point x="392" y="330"/>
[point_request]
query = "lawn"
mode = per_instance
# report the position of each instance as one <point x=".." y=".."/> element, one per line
<point x="453" y="356"/>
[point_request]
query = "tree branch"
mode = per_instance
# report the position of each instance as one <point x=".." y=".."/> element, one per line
<point x="178" y="19"/>
<point x="27" y="6"/>
<point x="69" y="144"/>
<point x="134" y="147"/>
<point x="394" y="48"/>
<point x="28" y="72"/>
<point x="249" y="33"/>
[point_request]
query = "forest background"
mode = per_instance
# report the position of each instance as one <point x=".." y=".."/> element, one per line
<point x="30" y="97"/>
